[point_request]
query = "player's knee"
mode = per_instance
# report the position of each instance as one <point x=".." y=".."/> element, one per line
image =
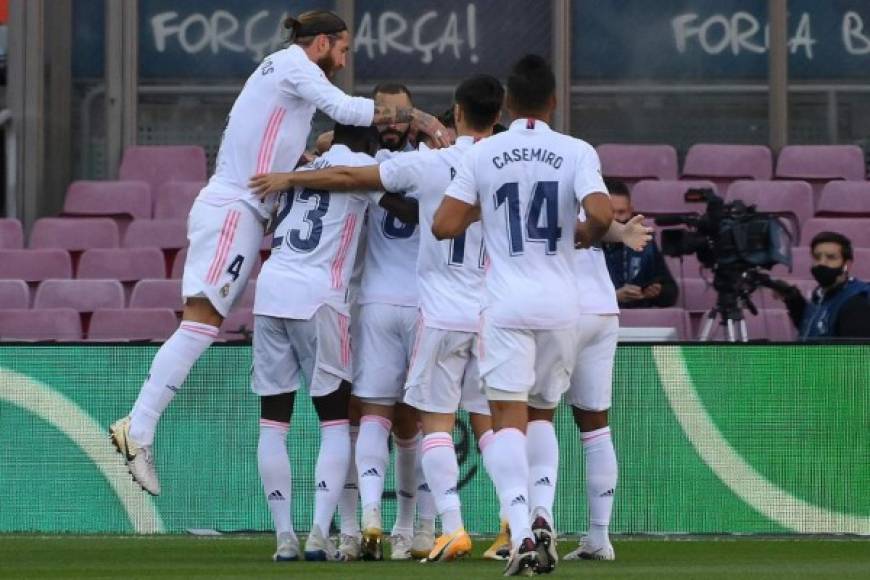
<point x="335" y="405"/>
<point x="277" y="407"/>
<point x="405" y="421"/>
<point x="201" y="310"/>
<point x="587" y="420"/>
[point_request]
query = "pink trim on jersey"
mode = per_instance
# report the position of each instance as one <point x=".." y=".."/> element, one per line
<point x="344" y="330"/>
<point x="343" y="247"/>
<point x="382" y="421"/>
<point x="335" y="423"/>
<point x="418" y="338"/>
<point x="267" y="145"/>
<point x="228" y="233"/>
<point x="276" y="424"/>
<point x="203" y="329"/>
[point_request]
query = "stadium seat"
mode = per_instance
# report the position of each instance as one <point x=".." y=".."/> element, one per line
<point x="35" y="265"/>
<point x="174" y="199"/>
<point x="239" y="325"/>
<point x="48" y="324"/>
<point x="132" y="324"/>
<point x="656" y="317"/>
<point x="83" y="296"/>
<point x="123" y="264"/>
<point x="166" y="234"/>
<point x="75" y="235"/>
<point x="632" y="163"/>
<point x="819" y="164"/>
<point x="801" y="262"/>
<point x="685" y="268"/>
<point x="844" y="199"/>
<point x="14" y="294"/>
<point x="11" y="234"/>
<point x="157" y="165"/>
<point x="791" y="197"/>
<point x="652" y="197"/>
<point x="157" y="294"/>
<point x="856" y="229"/>
<point x="774" y="325"/>
<point x="108" y="198"/>
<point x="861" y="264"/>
<point x="697" y="295"/>
<point x="724" y="164"/>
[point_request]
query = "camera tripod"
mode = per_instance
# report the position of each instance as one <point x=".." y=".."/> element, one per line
<point x="732" y="298"/>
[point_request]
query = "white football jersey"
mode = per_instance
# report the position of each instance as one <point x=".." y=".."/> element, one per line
<point x="269" y="123"/>
<point x="314" y="245"/>
<point x="449" y="272"/>
<point x="528" y="182"/>
<point x="597" y="294"/>
<point x="389" y="276"/>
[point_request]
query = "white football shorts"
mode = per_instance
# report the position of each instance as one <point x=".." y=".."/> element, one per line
<point x="444" y="376"/>
<point x="518" y="364"/>
<point x="224" y="246"/>
<point x="383" y="340"/>
<point x="287" y="351"/>
<point x="592" y="381"/>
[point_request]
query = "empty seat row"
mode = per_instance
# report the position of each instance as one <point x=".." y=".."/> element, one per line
<point x="131" y="199"/>
<point x="65" y="324"/>
<point x="726" y="163"/>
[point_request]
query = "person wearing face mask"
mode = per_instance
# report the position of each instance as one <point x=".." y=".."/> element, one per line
<point x="840" y="306"/>
<point x="641" y="279"/>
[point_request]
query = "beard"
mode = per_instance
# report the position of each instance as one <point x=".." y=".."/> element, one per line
<point x="327" y="65"/>
<point x="393" y="140"/>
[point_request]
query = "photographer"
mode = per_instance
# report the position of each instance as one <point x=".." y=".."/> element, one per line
<point x="641" y="279"/>
<point x="840" y="306"/>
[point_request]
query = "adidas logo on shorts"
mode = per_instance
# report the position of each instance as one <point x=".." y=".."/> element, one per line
<point x="373" y="472"/>
<point x="275" y="496"/>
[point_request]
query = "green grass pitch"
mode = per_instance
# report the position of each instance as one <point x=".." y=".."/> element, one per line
<point x="130" y="557"/>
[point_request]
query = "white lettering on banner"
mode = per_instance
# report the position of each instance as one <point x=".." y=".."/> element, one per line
<point x="428" y="35"/>
<point x="393" y="32"/>
<point x="855" y="41"/>
<point x="740" y="32"/>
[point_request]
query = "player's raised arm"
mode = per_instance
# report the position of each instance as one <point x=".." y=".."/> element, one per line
<point x="460" y="206"/>
<point x="333" y="179"/>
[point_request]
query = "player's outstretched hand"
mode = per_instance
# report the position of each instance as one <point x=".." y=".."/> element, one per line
<point x="636" y="235"/>
<point x="429" y="125"/>
<point x="265" y="183"/>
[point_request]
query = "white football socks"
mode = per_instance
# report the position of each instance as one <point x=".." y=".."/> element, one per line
<point x="274" y="465"/>
<point x="442" y="473"/>
<point x="405" y="482"/>
<point x="349" y="500"/>
<point x="330" y="472"/>
<point x="510" y="472"/>
<point x="601" y="475"/>
<point x="169" y="369"/>
<point x="426" y="509"/>
<point x="542" y="449"/>
<point x="372" y="455"/>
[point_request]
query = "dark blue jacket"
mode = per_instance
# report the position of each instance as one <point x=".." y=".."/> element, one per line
<point x="643" y="268"/>
<point x="843" y="311"/>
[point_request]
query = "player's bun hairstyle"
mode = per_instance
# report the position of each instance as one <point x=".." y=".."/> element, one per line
<point x="309" y="24"/>
<point x="835" y="238"/>
<point x="480" y="98"/>
<point x="358" y="139"/>
<point x="391" y="88"/>
<point x="531" y="84"/>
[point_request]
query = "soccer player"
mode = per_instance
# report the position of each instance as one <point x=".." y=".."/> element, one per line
<point x="526" y="184"/>
<point x="267" y="128"/>
<point x="443" y="374"/>
<point x="302" y="329"/>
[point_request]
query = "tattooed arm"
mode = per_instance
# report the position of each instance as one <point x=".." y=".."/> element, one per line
<point x="419" y="120"/>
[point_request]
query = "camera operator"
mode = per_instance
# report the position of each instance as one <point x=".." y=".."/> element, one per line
<point x="840" y="306"/>
<point x="641" y="279"/>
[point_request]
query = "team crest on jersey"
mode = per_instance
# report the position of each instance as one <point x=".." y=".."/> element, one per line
<point x="225" y="290"/>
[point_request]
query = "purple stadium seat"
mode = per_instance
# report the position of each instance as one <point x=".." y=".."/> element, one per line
<point x="48" y="324"/>
<point x="164" y="234"/>
<point x="651" y="197"/>
<point x="724" y="164"/>
<point x="801" y="262"/>
<point x="14" y="294"/>
<point x="35" y="265"/>
<point x="773" y="325"/>
<point x="123" y="264"/>
<point x="685" y="268"/>
<point x="75" y="235"/>
<point x="174" y="199"/>
<point x="238" y="325"/>
<point x="132" y="324"/>
<point x="775" y="196"/>
<point x="11" y="234"/>
<point x="656" y="317"/>
<point x="159" y="164"/>
<point x="819" y="164"/>
<point x="856" y="229"/>
<point x="157" y="294"/>
<point x="861" y="264"/>
<point x="697" y="295"/>
<point x="844" y="199"/>
<point x="108" y="198"/>
<point x="81" y="295"/>
<point x="632" y="163"/>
